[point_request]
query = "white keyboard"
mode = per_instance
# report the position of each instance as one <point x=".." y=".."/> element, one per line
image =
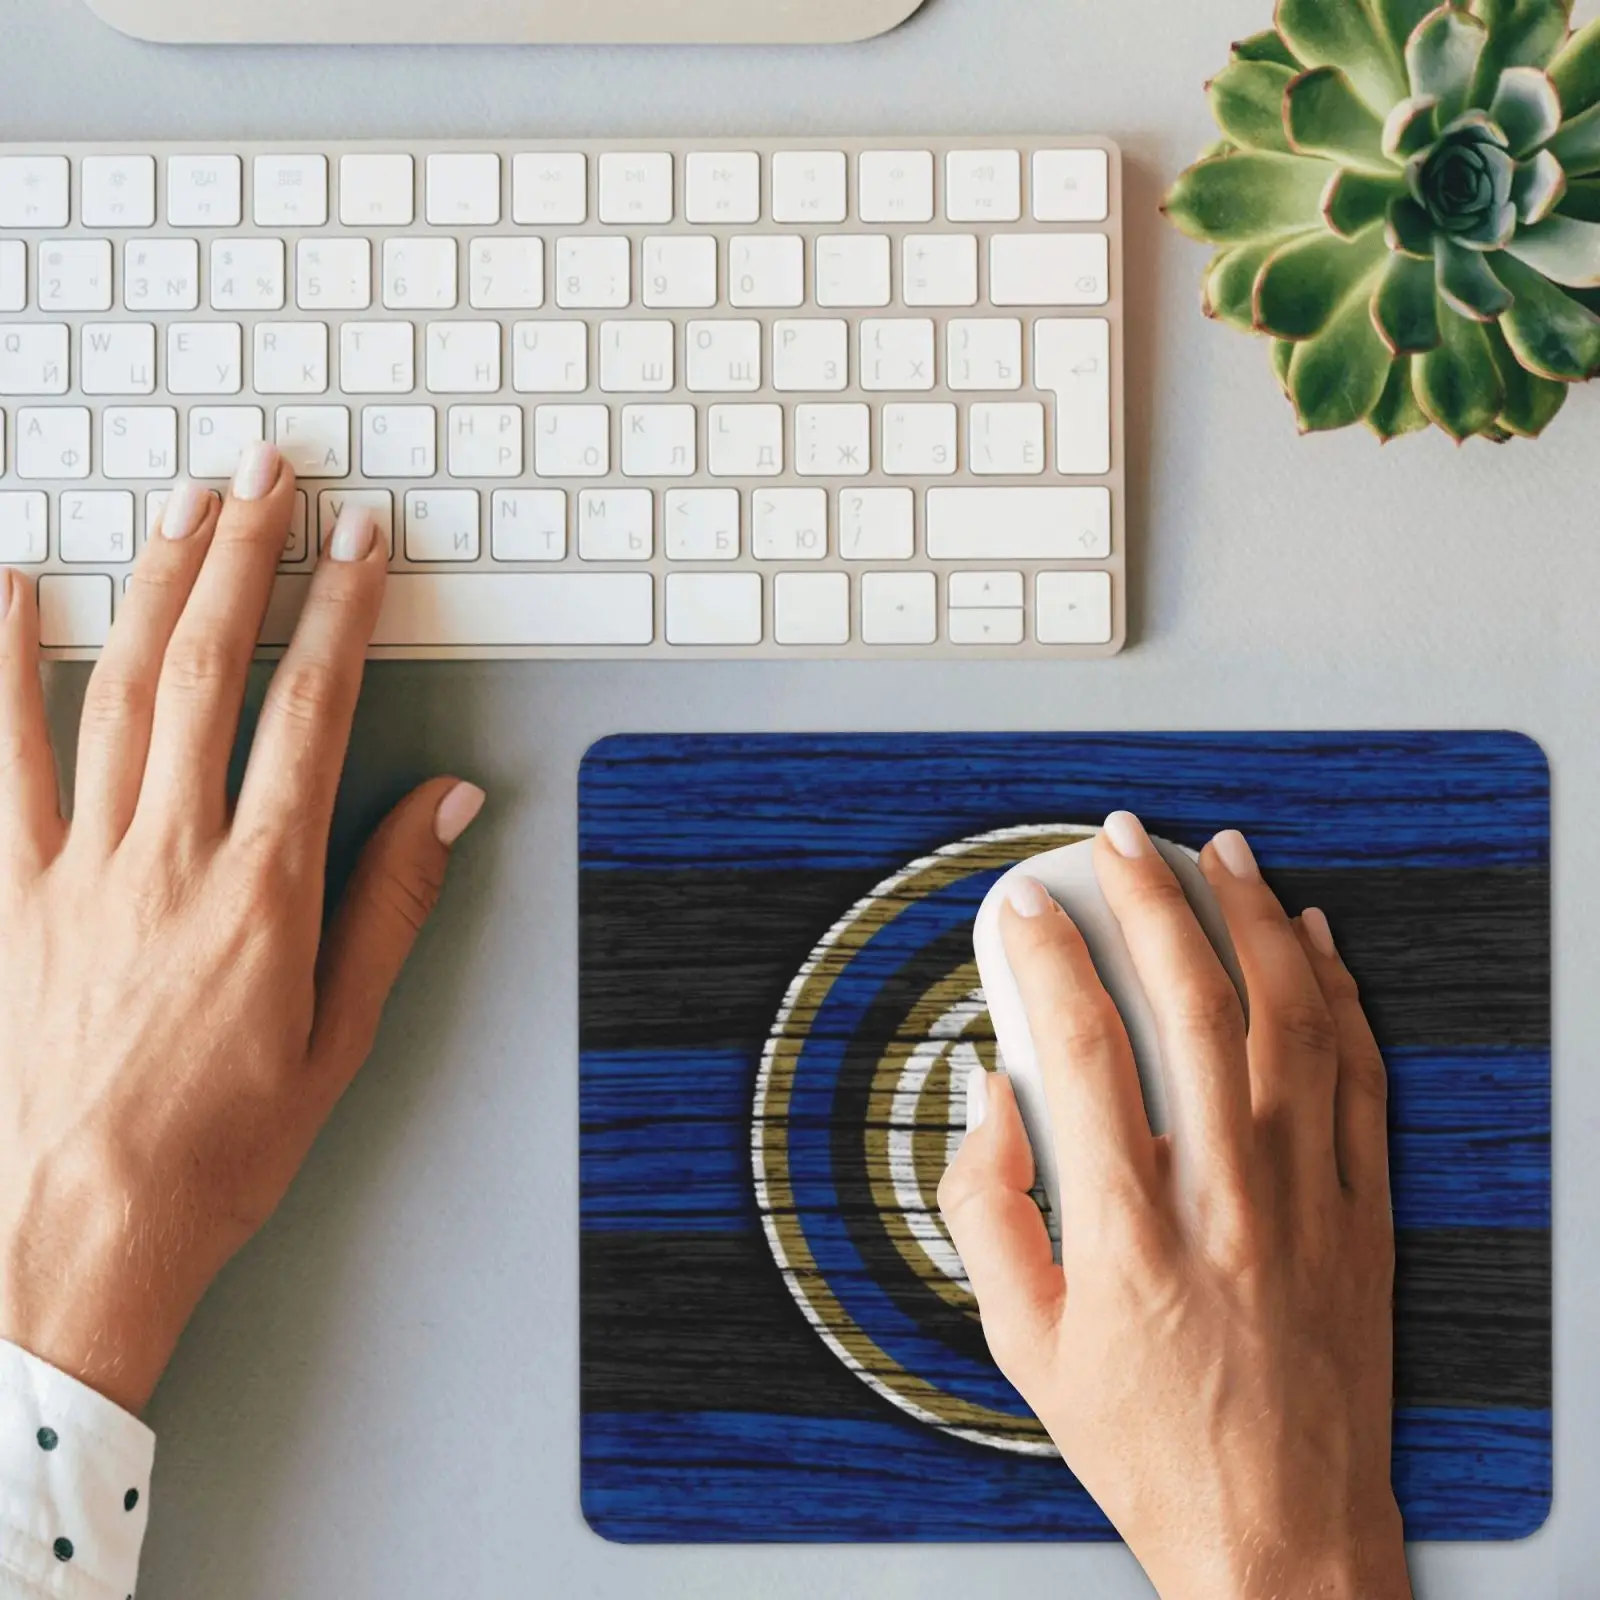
<point x="760" y="398"/>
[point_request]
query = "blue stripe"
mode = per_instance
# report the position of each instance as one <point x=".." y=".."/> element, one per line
<point x="854" y="803"/>
<point x="714" y="1477"/>
<point x="666" y="1140"/>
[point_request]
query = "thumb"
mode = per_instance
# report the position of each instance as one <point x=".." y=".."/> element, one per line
<point x="998" y="1230"/>
<point x="396" y="885"/>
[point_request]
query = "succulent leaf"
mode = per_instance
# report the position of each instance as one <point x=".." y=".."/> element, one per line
<point x="1564" y="249"/>
<point x="1326" y="117"/>
<point x="1267" y="46"/>
<point x="1337" y="378"/>
<point x="1355" y="200"/>
<point x="1537" y="188"/>
<point x="1526" y="109"/>
<point x="1531" y="402"/>
<point x="1551" y="334"/>
<point x="1577" y="145"/>
<point x="1397" y="411"/>
<point x="1408" y="230"/>
<point x="1466" y="281"/>
<point x="1442" y="57"/>
<point x="1347" y="37"/>
<point x="1306" y="280"/>
<point x="1582" y="200"/>
<point x="1405" y="305"/>
<point x="1576" y="70"/>
<point x="1411" y="127"/>
<point x="1464" y="183"/>
<point x="1522" y="33"/>
<point x="1282" y="355"/>
<point x="1400" y="19"/>
<point x="1247" y="101"/>
<point x="1458" y="385"/>
<point x="1233" y="199"/>
<point x="1230" y="284"/>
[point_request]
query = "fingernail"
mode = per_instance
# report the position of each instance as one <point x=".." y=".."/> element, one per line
<point x="352" y="534"/>
<point x="1028" y="897"/>
<point x="184" y="511"/>
<point x="977" y="1098"/>
<point x="257" y="471"/>
<point x="8" y="587"/>
<point x="457" y="811"/>
<point x="1127" y="835"/>
<point x="1318" y="931"/>
<point x="1234" y="852"/>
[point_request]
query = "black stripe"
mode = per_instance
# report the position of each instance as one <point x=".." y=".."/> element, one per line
<point x="703" y="1322"/>
<point x="674" y="960"/>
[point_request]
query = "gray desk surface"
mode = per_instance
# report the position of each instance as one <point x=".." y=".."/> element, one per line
<point x="380" y="1397"/>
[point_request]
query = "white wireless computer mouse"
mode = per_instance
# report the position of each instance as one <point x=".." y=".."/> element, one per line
<point x="1069" y="875"/>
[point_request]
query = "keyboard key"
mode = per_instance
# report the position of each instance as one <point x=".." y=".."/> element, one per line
<point x="1071" y="185"/>
<point x="289" y="191"/>
<point x="139" y="442"/>
<point x="377" y="191"/>
<point x="572" y="441"/>
<point x="34" y="191"/>
<point x="75" y="275"/>
<point x="204" y="191"/>
<point x="986" y="591"/>
<point x="616" y="525"/>
<point x="1072" y="359"/>
<point x="723" y="187"/>
<point x="292" y="357"/>
<point x="984" y="353"/>
<point x="702" y="524"/>
<point x="636" y="357"/>
<point x="315" y="440"/>
<point x="713" y="608"/>
<point x="1020" y="524"/>
<point x="767" y="271"/>
<point x="484" y="441"/>
<point x="505" y="274"/>
<point x="809" y="186"/>
<point x="419" y="274"/>
<point x="549" y="190"/>
<point x="550" y="357"/>
<point x="463" y="189"/>
<point x="833" y="441"/>
<point x="1006" y="441"/>
<point x="635" y="188"/>
<point x="24" y="528"/>
<point x="985" y="627"/>
<point x="1049" y="269"/>
<point x="529" y="525"/>
<point x="97" y="525"/>
<point x="746" y="441"/>
<point x="659" y="441"/>
<point x="333" y="274"/>
<point x="118" y="191"/>
<point x="723" y="357"/>
<point x="217" y="435"/>
<point x="247" y="274"/>
<point x="680" y="272"/>
<point x="399" y="441"/>
<point x="1073" y="608"/>
<point x="877" y="524"/>
<point x="161" y="275"/>
<point x="896" y="186"/>
<point x="896" y="353"/>
<point x="811" y="608"/>
<point x="33" y="357"/>
<point x="853" y="270"/>
<point x="940" y="269"/>
<point x="593" y="274"/>
<point x="983" y="186"/>
<point x="504" y="610"/>
<point x="442" y="525"/>
<point x="463" y="357"/>
<point x="789" y="525"/>
<point x="117" y="358"/>
<point x="810" y="355"/>
<point x="53" y="442"/>
<point x="899" y="608"/>
<point x="13" y="275"/>
<point x="205" y="358"/>
<point x="919" y="441"/>
<point x="332" y="502"/>
<point x="74" y="611"/>
<point x="377" y="357"/>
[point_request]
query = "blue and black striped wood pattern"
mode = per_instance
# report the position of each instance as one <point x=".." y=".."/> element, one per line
<point x="711" y="867"/>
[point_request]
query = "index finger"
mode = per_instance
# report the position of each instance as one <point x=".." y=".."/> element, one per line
<point x="292" y="779"/>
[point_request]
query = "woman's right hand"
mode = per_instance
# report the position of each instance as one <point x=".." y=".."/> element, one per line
<point x="1214" y="1355"/>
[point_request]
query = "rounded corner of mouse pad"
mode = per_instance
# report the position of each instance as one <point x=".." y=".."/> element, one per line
<point x="507" y="21"/>
<point x="778" y="1011"/>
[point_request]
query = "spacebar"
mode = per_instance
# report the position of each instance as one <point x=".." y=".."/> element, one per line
<point x="488" y="609"/>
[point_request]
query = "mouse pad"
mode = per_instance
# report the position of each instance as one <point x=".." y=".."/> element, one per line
<point x="779" y="1008"/>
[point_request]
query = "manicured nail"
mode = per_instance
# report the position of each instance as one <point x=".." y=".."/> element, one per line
<point x="456" y="812"/>
<point x="1318" y="931"/>
<point x="257" y="471"/>
<point x="1028" y="897"/>
<point x="977" y="1098"/>
<point x="352" y="534"/>
<point x="184" y="511"/>
<point x="8" y="587"/>
<point x="1127" y="835"/>
<point x="1234" y="852"/>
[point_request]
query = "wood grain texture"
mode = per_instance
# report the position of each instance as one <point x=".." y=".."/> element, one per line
<point x="711" y="868"/>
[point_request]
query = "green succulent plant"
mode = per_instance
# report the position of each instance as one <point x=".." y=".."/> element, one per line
<point x="1406" y="201"/>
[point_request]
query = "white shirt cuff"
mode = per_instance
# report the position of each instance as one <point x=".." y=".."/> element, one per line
<point x="74" y="1486"/>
